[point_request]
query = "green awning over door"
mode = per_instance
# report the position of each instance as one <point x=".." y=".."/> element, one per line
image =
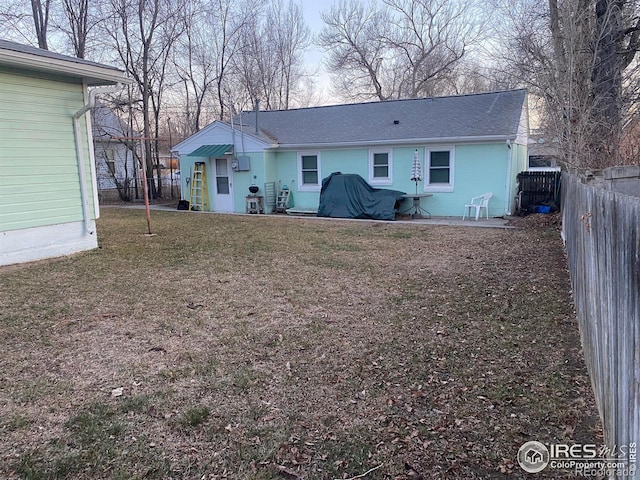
<point x="212" y="151"/>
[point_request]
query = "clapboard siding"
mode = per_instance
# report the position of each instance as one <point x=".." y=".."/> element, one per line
<point x="48" y="186"/>
<point x="602" y="238"/>
<point x="48" y="134"/>
<point x="56" y="169"/>
<point x="49" y="216"/>
<point x="39" y="182"/>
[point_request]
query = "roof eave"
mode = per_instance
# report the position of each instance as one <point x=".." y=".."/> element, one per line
<point x="403" y="141"/>
<point x="226" y="125"/>
<point x="92" y="74"/>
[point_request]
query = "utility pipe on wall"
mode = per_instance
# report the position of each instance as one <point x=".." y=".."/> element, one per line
<point x="507" y="195"/>
<point x="93" y="93"/>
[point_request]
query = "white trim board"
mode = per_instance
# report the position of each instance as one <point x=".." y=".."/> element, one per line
<point x="38" y="243"/>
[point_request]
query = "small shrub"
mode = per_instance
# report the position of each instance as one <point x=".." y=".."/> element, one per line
<point x="194" y="416"/>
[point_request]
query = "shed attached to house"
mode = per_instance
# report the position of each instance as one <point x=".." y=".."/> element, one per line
<point x="466" y="145"/>
<point x="48" y="199"/>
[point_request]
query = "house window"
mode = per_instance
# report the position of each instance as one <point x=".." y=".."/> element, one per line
<point x="380" y="167"/>
<point x="309" y="176"/>
<point x="110" y="156"/>
<point x="439" y="170"/>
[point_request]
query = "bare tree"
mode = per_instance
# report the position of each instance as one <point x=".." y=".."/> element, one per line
<point x="26" y="21"/>
<point x="255" y="65"/>
<point x="406" y="48"/>
<point x="432" y="36"/>
<point x="41" y="21"/>
<point x="228" y="18"/>
<point x="47" y="23"/>
<point x="290" y="38"/>
<point x="77" y="25"/>
<point x="578" y="55"/>
<point x="354" y="38"/>
<point x="143" y="33"/>
<point x="616" y="43"/>
<point x="270" y="64"/>
<point x="195" y="66"/>
<point x="478" y="74"/>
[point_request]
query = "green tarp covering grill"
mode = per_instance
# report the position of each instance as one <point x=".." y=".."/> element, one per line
<point x="350" y="196"/>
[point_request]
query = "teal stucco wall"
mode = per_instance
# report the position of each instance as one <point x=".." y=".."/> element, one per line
<point x="240" y="181"/>
<point x="477" y="169"/>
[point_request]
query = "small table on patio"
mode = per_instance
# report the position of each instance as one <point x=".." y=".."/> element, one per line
<point x="417" y="209"/>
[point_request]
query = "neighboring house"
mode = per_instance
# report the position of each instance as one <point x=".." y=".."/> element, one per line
<point x="467" y="145"/>
<point x="543" y="153"/>
<point x="117" y="167"/>
<point x="114" y="145"/>
<point x="48" y="199"/>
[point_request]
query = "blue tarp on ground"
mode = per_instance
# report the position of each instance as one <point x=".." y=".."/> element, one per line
<point x="350" y="196"/>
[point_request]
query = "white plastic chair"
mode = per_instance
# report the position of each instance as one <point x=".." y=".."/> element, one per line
<point x="477" y="204"/>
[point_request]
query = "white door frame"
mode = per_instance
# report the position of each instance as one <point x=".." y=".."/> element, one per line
<point x="222" y="202"/>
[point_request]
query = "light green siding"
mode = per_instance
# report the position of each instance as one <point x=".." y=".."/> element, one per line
<point x="39" y="182"/>
<point x="519" y="161"/>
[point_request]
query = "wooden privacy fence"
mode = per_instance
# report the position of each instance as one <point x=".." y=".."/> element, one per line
<point x="538" y="188"/>
<point x="602" y="238"/>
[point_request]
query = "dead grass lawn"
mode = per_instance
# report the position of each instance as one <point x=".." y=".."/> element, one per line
<point x="253" y="347"/>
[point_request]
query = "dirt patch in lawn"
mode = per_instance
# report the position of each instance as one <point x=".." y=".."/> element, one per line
<point x="266" y="347"/>
<point x="537" y="221"/>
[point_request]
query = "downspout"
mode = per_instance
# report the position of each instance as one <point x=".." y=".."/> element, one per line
<point x="507" y="197"/>
<point x="93" y="93"/>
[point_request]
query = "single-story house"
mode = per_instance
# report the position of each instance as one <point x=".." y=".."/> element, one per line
<point x="48" y="193"/>
<point x="467" y="145"/>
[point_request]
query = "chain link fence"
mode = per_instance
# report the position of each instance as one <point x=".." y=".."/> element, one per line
<point x="119" y="189"/>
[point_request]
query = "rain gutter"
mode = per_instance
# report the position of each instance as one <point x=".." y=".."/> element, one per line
<point x="93" y="93"/>
<point x="94" y="73"/>
<point x="402" y="141"/>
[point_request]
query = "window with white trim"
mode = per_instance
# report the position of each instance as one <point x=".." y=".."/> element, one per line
<point x="380" y="167"/>
<point x="439" y="169"/>
<point x="309" y="176"/>
<point x="110" y="159"/>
